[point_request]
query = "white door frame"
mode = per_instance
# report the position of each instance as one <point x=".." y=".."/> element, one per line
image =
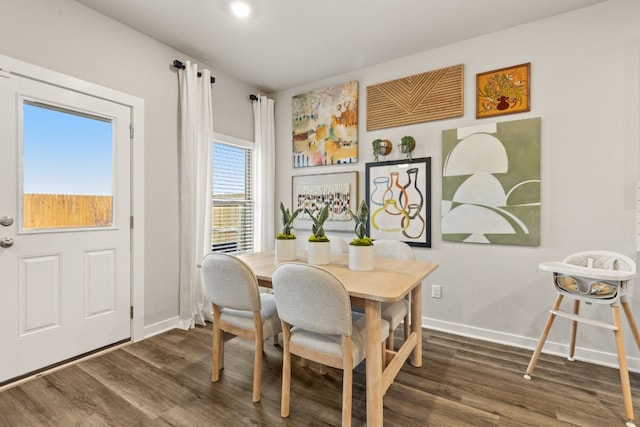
<point x="23" y="69"/>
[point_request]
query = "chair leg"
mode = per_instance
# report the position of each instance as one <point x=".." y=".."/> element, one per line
<point x="390" y="341"/>
<point x="347" y="381"/>
<point x="286" y="371"/>
<point x="543" y="338"/>
<point x="221" y="364"/>
<point x="407" y="325"/>
<point x="574" y="330"/>
<point x="622" y="363"/>
<point x="216" y="346"/>
<point x="257" y="358"/>
<point x="631" y="321"/>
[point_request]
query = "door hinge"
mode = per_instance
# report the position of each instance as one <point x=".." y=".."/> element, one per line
<point x="131" y="312"/>
<point x="131" y="222"/>
<point x="131" y="131"/>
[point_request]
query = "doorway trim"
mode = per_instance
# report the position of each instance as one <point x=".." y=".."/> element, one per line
<point x="13" y="66"/>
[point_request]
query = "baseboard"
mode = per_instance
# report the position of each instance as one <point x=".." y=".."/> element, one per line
<point x="556" y="349"/>
<point x="160" y="327"/>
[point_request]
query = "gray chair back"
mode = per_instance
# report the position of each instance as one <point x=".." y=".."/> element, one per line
<point x="338" y="244"/>
<point x="311" y="298"/>
<point x="393" y="249"/>
<point x="230" y="283"/>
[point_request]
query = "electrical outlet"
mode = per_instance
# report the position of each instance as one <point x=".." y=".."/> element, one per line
<point x="436" y="291"/>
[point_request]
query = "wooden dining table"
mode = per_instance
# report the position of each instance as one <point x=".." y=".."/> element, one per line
<point x="390" y="280"/>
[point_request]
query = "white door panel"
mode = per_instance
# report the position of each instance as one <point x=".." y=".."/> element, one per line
<point x="64" y="290"/>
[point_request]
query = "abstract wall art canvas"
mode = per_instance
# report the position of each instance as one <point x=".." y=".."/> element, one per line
<point x="491" y="183"/>
<point x="325" y="126"/>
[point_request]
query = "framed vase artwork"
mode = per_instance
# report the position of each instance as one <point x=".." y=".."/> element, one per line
<point x="398" y="193"/>
<point x="503" y="91"/>
<point x="339" y="190"/>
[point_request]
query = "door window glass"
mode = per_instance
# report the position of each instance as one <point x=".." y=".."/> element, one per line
<point x="67" y="165"/>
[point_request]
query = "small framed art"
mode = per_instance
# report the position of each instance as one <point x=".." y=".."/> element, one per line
<point x="503" y="91"/>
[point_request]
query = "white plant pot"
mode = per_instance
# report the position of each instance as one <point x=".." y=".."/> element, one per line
<point x="285" y="249"/>
<point x="361" y="258"/>
<point x="319" y="253"/>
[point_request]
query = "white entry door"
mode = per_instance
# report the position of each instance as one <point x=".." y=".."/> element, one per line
<point x="64" y="224"/>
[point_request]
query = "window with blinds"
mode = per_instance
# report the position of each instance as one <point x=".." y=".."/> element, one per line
<point x="232" y="210"/>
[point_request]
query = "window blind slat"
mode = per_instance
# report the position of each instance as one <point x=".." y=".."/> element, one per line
<point x="233" y="205"/>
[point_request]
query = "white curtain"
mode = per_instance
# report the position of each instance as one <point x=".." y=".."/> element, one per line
<point x="196" y="137"/>
<point x="264" y="233"/>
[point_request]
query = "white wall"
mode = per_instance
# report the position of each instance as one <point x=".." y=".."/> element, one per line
<point x="67" y="37"/>
<point x="584" y="79"/>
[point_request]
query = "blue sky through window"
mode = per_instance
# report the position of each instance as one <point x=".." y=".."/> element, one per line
<point x="66" y="153"/>
<point x="229" y="169"/>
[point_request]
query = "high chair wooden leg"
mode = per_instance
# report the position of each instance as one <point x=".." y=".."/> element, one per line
<point x="622" y="363"/>
<point x="574" y="330"/>
<point x="543" y="338"/>
<point x="631" y="321"/>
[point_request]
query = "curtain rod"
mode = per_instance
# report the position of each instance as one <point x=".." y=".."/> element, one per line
<point x="179" y="65"/>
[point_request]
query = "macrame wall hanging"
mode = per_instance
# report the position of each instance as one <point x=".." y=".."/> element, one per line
<point x="313" y="197"/>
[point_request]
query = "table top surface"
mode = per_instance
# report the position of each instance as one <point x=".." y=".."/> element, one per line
<point x="389" y="281"/>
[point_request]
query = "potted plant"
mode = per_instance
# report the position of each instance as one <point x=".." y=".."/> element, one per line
<point x="407" y="145"/>
<point x="361" y="253"/>
<point x="319" y="251"/>
<point x="380" y="147"/>
<point x="286" y="240"/>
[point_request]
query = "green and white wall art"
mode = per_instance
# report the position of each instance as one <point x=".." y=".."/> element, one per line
<point x="491" y="183"/>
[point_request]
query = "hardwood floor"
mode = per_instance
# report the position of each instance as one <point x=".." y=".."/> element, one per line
<point x="165" y="381"/>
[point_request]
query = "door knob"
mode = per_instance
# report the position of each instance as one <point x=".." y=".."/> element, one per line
<point x="6" y="242"/>
<point x="6" y="221"/>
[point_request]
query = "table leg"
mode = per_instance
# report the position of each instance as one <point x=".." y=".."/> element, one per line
<point x="373" y="364"/>
<point x="416" y="324"/>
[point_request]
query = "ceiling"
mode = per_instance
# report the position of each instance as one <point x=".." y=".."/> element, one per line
<point x="292" y="42"/>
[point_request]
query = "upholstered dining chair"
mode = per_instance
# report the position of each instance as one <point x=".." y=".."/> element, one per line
<point x="238" y="308"/>
<point x="395" y="312"/>
<point x="318" y="324"/>
<point x="338" y="245"/>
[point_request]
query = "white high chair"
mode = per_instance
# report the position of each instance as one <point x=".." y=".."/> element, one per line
<point x="594" y="277"/>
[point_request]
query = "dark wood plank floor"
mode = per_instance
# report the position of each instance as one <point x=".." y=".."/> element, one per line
<point x="165" y="381"/>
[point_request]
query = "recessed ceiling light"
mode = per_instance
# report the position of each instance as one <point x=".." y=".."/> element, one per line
<point x="240" y="9"/>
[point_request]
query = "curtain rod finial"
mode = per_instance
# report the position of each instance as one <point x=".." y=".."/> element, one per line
<point x="180" y="66"/>
<point x="253" y="97"/>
